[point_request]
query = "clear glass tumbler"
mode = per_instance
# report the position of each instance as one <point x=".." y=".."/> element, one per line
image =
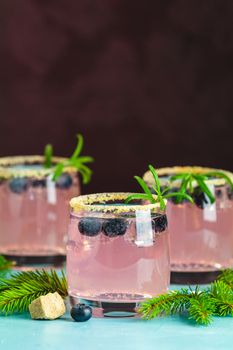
<point x="201" y="234"/>
<point x="34" y="210"/>
<point x="117" y="254"/>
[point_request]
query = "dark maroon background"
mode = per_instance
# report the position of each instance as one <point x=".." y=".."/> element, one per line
<point x="145" y="82"/>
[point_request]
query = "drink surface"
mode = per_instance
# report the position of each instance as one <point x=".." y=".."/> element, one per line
<point x="123" y="267"/>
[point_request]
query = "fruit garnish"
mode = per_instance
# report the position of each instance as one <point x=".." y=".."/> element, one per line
<point x="38" y="183"/>
<point x="18" y="184"/>
<point x="75" y="161"/>
<point x="159" y="224"/>
<point x="89" y="227"/>
<point x="199" y="198"/>
<point x="115" y="227"/>
<point x="161" y="194"/>
<point x="81" y="312"/>
<point x="230" y="193"/>
<point x="64" y="181"/>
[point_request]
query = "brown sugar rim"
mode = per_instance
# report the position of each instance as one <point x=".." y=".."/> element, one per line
<point x="95" y="203"/>
<point x="148" y="178"/>
<point x="6" y="163"/>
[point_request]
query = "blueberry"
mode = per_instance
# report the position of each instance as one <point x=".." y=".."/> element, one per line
<point x="89" y="227"/>
<point x="230" y="193"/>
<point x="39" y="183"/>
<point x="114" y="227"/>
<point x="64" y="181"/>
<point x="199" y="198"/>
<point x="18" y="184"/>
<point x="81" y="312"/>
<point x="159" y="224"/>
<point x="218" y="193"/>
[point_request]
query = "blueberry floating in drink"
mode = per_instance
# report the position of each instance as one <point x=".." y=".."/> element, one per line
<point x="114" y="227"/>
<point x="90" y="227"/>
<point x="230" y="193"/>
<point x="18" y="184"/>
<point x="38" y="183"/>
<point x="200" y="199"/>
<point x="64" y="181"/>
<point x="159" y="224"/>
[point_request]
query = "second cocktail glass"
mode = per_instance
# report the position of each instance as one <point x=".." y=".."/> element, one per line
<point x="201" y="233"/>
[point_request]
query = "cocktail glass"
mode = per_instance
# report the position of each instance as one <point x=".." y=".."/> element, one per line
<point x="34" y="210"/>
<point x="201" y="234"/>
<point x="117" y="254"/>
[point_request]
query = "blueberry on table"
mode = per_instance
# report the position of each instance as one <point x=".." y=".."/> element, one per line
<point x="89" y="227"/>
<point x="114" y="227"/>
<point x="159" y="224"/>
<point x="64" y="181"/>
<point x="18" y="184"/>
<point x="81" y="312"/>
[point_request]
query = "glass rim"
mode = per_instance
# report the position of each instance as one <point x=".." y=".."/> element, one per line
<point x="6" y="163"/>
<point x="148" y="178"/>
<point x="88" y="203"/>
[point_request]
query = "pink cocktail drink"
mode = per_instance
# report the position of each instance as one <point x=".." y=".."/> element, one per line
<point x="201" y="233"/>
<point x="202" y="239"/>
<point x="34" y="210"/>
<point x="117" y="254"/>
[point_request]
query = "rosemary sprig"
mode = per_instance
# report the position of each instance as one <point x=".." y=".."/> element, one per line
<point x="161" y="195"/>
<point x="48" y="155"/>
<point x="199" y="305"/>
<point x="17" y="292"/>
<point x="221" y="175"/>
<point x="187" y="181"/>
<point x="75" y="161"/>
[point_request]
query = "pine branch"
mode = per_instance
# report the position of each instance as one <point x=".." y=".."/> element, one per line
<point x="199" y="305"/>
<point x="227" y="277"/>
<point x="22" y="288"/>
<point x="166" y="304"/>
<point x="5" y="266"/>
<point x="222" y="295"/>
<point x="201" y="308"/>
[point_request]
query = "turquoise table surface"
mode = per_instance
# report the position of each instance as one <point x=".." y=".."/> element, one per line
<point x="20" y="332"/>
